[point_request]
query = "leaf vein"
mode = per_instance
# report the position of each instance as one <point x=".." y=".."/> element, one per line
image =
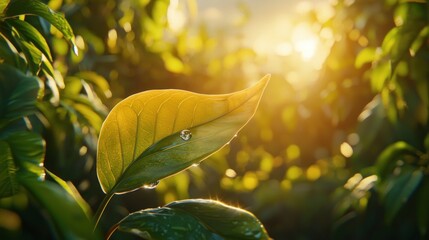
<point x="178" y="109"/>
<point x="156" y="117"/>
<point x="120" y="145"/>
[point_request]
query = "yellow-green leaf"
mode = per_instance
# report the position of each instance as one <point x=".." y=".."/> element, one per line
<point x="142" y="138"/>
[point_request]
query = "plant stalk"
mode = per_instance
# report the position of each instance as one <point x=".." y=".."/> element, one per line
<point x="111" y="231"/>
<point x="101" y="209"/>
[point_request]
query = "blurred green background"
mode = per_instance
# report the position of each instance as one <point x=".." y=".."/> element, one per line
<point x="339" y="145"/>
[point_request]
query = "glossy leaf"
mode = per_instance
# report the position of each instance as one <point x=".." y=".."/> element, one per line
<point x="391" y="153"/>
<point x="68" y="218"/>
<point x="9" y="56"/>
<point x="140" y="140"/>
<point x="72" y="191"/>
<point x="227" y="221"/>
<point x="35" y="7"/>
<point x="194" y="219"/>
<point x="399" y="189"/>
<point x="33" y="56"/>
<point x="165" y="223"/>
<point x="28" y="151"/>
<point x="8" y="183"/>
<point x="17" y="97"/>
<point x="31" y="34"/>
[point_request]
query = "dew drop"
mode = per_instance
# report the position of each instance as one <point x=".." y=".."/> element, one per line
<point x="151" y="185"/>
<point x="186" y="134"/>
<point x="196" y="164"/>
<point x="41" y="177"/>
<point x="75" y="50"/>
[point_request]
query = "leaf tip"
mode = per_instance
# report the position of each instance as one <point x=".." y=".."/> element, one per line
<point x="265" y="79"/>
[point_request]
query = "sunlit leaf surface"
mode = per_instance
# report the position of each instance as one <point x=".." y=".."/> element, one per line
<point x="35" y="7"/>
<point x="153" y="134"/>
<point x="30" y="33"/>
<point x="194" y="219"/>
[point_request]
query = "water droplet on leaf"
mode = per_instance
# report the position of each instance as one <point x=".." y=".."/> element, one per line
<point x="151" y="185"/>
<point x="75" y="50"/>
<point x="186" y="134"/>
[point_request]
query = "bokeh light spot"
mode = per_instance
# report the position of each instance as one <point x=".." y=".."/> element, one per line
<point x="292" y="152"/>
<point x="313" y="173"/>
<point x="346" y="149"/>
<point x="294" y="172"/>
<point x="230" y="173"/>
<point x="250" y="181"/>
<point x="226" y="183"/>
<point x="286" y="184"/>
<point x="266" y="164"/>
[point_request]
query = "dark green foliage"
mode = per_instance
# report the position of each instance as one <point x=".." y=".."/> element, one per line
<point x="194" y="219"/>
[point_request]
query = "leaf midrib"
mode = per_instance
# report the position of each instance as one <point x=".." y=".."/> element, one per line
<point x="188" y="142"/>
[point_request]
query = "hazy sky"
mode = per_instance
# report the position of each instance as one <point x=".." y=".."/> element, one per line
<point x="275" y="28"/>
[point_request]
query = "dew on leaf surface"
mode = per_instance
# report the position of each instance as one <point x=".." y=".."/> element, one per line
<point x="186" y="134"/>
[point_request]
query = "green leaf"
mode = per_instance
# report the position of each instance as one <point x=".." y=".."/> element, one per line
<point x="18" y="94"/>
<point x="365" y="56"/>
<point x="165" y="223"/>
<point x="392" y="153"/>
<point x="31" y="34"/>
<point x="227" y="221"/>
<point x="72" y="191"/>
<point x="8" y="183"/>
<point x="419" y="41"/>
<point x="33" y="56"/>
<point x="399" y="189"/>
<point x="397" y="43"/>
<point x="28" y="151"/>
<point x="89" y="115"/>
<point x="9" y="56"/>
<point x="140" y="141"/>
<point x="371" y="122"/>
<point x="67" y="216"/>
<point x="423" y="207"/>
<point x="35" y="7"/>
<point x="194" y="219"/>
<point x="3" y="5"/>
<point x="102" y="86"/>
<point x="379" y="74"/>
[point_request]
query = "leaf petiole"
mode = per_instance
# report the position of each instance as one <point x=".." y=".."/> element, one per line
<point x="111" y="231"/>
<point x="101" y="209"/>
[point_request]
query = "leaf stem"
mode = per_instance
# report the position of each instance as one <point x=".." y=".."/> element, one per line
<point x="111" y="231"/>
<point x="101" y="209"/>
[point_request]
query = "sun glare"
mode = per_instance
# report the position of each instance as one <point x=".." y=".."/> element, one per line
<point x="307" y="47"/>
<point x="176" y="16"/>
